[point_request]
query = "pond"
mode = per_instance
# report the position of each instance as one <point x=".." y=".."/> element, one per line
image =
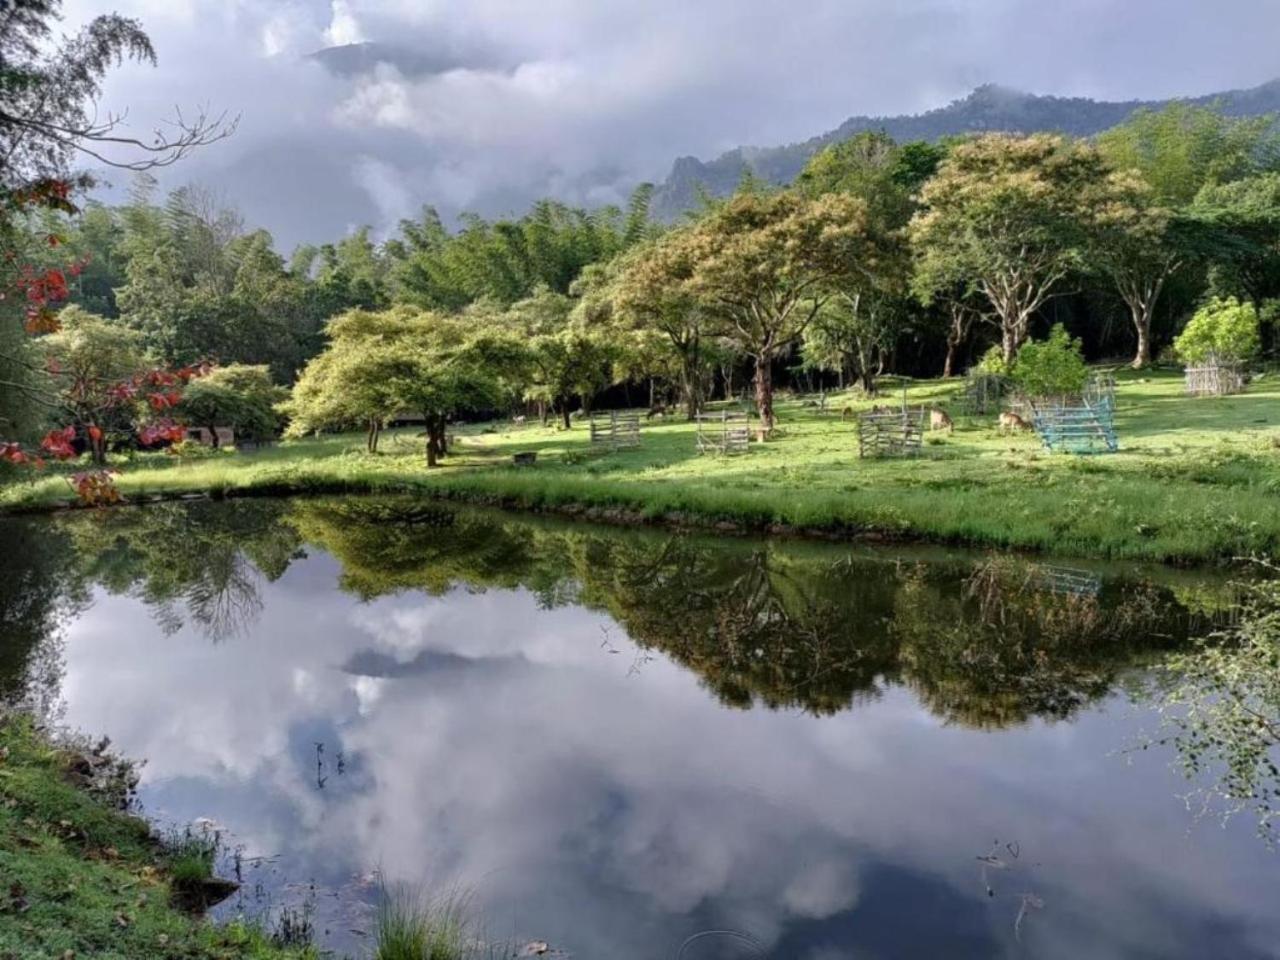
<point x="640" y="744"/>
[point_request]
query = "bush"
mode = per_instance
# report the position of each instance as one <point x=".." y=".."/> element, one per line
<point x="1053" y="367"/>
<point x="992" y="362"/>
<point x="238" y="396"/>
<point x="1223" y="328"/>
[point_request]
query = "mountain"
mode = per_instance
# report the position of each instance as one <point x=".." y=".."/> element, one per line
<point x="987" y="108"/>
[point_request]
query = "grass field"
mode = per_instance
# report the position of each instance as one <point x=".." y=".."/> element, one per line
<point x="83" y="879"/>
<point x="1195" y="479"/>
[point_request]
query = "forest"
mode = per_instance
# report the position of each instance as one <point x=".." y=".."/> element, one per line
<point x="883" y="258"/>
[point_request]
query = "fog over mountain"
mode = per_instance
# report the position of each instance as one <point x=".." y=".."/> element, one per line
<point x="360" y="111"/>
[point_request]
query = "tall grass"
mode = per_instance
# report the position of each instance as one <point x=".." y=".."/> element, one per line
<point x="415" y="926"/>
<point x="190" y="855"/>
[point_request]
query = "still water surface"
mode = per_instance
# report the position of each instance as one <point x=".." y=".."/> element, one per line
<point x="619" y="740"/>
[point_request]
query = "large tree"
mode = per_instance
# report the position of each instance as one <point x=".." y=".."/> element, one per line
<point x="1134" y="241"/>
<point x="761" y="266"/>
<point x="871" y="309"/>
<point x="406" y="360"/>
<point x="650" y="293"/>
<point x="565" y="356"/>
<point x="1164" y="160"/>
<point x="1009" y="214"/>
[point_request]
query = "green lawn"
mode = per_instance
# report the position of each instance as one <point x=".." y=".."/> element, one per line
<point x="1194" y="480"/>
<point x="82" y="879"/>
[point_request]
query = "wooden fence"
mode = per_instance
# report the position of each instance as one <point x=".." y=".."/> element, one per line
<point x="615" y="428"/>
<point x="891" y="433"/>
<point x="1216" y="378"/>
<point x="724" y="432"/>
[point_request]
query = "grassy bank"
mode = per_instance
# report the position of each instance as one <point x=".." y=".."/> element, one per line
<point x="83" y="879"/>
<point x="1195" y="480"/>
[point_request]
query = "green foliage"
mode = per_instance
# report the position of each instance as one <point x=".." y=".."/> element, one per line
<point x="1235" y="227"/>
<point x="402" y="359"/>
<point x="1225" y="329"/>
<point x="1053" y="367"/>
<point x="238" y="396"/>
<point x="1009" y="215"/>
<point x="992" y="362"/>
<point x="1221" y="711"/>
<point x="1182" y="147"/>
<point x="509" y="260"/>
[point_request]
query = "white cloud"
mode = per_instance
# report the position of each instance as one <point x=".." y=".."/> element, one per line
<point x="507" y="99"/>
<point x="343" y="28"/>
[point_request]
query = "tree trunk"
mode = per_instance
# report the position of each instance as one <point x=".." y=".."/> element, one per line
<point x="651" y="393"/>
<point x="691" y="385"/>
<point x="1009" y="341"/>
<point x="543" y="412"/>
<point x="1141" y="314"/>
<point x="948" y="364"/>
<point x="98" y="449"/>
<point x="371" y="438"/>
<point x="764" y="394"/>
<point x="441" y="437"/>
<point x="956" y="333"/>
<point x="564" y="412"/>
<point x="433" y="448"/>
<point x="866" y="376"/>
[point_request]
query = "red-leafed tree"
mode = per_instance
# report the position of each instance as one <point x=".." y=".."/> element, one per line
<point x="49" y="91"/>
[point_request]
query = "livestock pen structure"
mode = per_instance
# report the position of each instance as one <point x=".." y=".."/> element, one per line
<point x="1084" y="426"/>
<point x="615" y="428"/>
<point x="1215" y="378"/>
<point x="728" y="431"/>
<point x="891" y="433"/>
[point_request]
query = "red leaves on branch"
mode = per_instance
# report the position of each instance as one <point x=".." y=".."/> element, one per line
<point x="13" y="453"/>
<point x="58" y="443"/>
<point x="161" y="430"/>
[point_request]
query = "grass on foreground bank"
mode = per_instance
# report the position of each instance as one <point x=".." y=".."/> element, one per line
<point x="83" y="879"/>
<point x="1196" y="479"/>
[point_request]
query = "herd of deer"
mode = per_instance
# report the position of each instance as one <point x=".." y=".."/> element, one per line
<point x="939" y="419"/>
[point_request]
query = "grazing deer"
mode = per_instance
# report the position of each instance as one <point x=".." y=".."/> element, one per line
<point x="658" y="410"/>
<point x="518" y="421"/>
<point x="939" y="419"/>
<point x="847" y="413"/>
<point x="1010" y="422"/>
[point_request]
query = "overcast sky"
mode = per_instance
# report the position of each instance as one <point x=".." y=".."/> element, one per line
<point x="509" y="99"/>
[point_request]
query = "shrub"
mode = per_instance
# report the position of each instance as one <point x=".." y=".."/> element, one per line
<point x="1053" y="367"/>
<point x="238" y="396"/>
<point x="992" y="362"/>
<point x="1223" y="328"/>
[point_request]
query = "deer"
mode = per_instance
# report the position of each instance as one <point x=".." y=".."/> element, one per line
<point x="939" y="419"/>
<point x="1010" y="422"/>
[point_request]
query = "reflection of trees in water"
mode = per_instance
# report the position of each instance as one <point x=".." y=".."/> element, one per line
<point x="1220" y="710"/>
<point x="199" y="563"/>
<point x="783" y="625"/>
<point x="1003" y="644"/>
<point x="38" y="592"/>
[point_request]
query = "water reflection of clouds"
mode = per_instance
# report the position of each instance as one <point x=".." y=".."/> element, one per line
<point x="618" y="814"/>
